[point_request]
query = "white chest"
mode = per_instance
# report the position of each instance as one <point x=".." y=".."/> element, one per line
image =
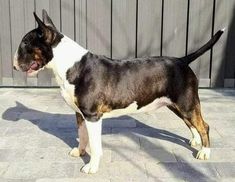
<point x="67" y="92"/>
<point x="66" y="53"/>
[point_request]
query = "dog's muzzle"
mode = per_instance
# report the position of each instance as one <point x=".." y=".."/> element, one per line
<point x="16" y="65"/>
<point x="15" y="62"/>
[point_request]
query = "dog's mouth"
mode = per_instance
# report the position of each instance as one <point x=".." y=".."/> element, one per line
<point x="34" y="66"/>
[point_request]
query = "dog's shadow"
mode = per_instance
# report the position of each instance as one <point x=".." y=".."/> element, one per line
<point x="63" y="126"/>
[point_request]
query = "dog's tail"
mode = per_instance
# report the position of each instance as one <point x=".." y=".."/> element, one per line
<point x="191" y="57"/>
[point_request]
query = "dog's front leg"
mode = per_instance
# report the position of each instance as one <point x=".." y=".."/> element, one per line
<point x="83" y="137"/>
<point x="94" y="133"/>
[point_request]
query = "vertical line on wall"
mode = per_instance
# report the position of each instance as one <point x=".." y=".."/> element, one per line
<point x="60" y="16"/>
<point x="86" y="25"/>
<point x="74" y="20"/>
<point x="11" y="40"/>
<point x="111" y="29"/>
<point x="187" y="28"/>
<point x="9" y="6"/>
<point x="162" y="27"/>
<point x="35" y="11"/>
<point x="136" y="30"/>
<point x="212" y="33"/>
<point x="24" y="5"/>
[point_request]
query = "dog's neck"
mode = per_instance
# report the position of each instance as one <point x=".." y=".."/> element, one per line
<point x="65" y="54"/>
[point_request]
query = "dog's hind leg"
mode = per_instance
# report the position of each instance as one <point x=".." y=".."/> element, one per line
<point x="83" y="137"/>
<point x="203" y="129"/>
<point x="196" y="139"/>
<point x="198" y="127"/>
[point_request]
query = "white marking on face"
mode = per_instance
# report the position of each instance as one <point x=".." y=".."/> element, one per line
<point x="132" y="108"/>
<point x="15" y="61"/>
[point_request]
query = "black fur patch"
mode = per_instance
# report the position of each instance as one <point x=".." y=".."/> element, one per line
<point x="105" y="84"/>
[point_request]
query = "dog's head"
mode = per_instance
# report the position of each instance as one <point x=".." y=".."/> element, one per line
<point x="35" y="49"/>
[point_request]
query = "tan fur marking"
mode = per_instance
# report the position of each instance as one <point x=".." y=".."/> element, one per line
<point x="102" y="108"/>
<point x="38" y="56"/>
<point x="79" y="119"/>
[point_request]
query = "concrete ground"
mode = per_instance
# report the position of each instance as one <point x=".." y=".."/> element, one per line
<point x="37" y="131"/>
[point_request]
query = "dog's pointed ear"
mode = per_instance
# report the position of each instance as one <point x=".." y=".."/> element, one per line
<point x="41" y="26"/>
<point x="47" y="20"/>
<point x="48" y="33"/>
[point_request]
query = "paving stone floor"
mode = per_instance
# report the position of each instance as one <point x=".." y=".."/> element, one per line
<point x="37" y="131"/>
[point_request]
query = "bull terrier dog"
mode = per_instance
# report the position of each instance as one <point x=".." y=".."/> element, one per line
<point x="98" y="87"/>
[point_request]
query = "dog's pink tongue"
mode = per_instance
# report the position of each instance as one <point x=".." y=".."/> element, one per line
<point x="34" y="66"/>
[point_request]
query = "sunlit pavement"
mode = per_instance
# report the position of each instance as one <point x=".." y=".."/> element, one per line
<point x="37" y="131"/>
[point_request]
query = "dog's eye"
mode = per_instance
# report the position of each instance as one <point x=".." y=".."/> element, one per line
<point x="25" y="43"/>
<point x="39" y="33"/>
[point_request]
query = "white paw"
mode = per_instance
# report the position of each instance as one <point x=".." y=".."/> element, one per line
<point x="203" y="154"/>
<point x="195" y="142"/>
<point x="196" y="139"/>
<point x="75" y="152"/>
<point x="90" y="169"/>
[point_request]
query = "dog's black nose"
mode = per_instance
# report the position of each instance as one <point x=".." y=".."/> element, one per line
<point x="14" y="68"/>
